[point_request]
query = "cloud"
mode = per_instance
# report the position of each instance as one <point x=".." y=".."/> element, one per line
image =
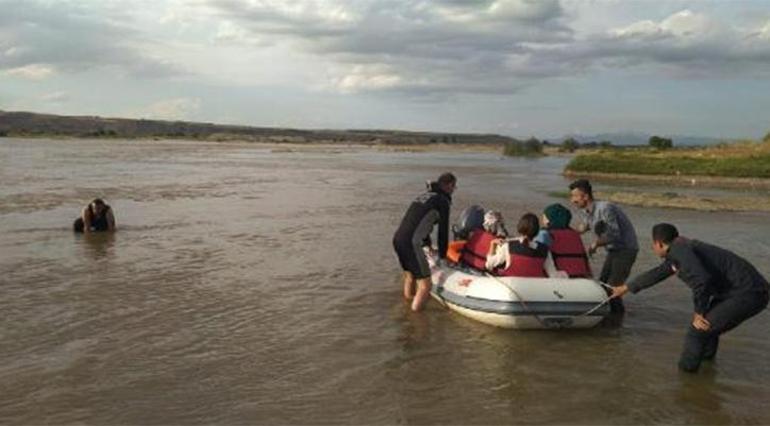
<point x="31" y="71"/>
<point x="368" y="77"/>
<point x="74" y="37"/>
<point x="682" y="25"/>
<point x="56" y="97"/>
<point x="172" y="109"/>
<point x="685" y="44"/>
<point x="405" y="45"/>
<point x="486" y="46"/>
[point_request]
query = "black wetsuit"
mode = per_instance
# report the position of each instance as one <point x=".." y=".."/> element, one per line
<point x="98" y="223"/>
<point x="726" y="289"/>
<point x="416" y="227"/>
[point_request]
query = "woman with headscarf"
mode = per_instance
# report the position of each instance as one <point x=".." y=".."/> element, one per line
<point x="567" y="249"/>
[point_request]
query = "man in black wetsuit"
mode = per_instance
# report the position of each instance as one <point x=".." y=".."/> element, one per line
<point x="415" y="230"/>
<point x="726" y="289"/>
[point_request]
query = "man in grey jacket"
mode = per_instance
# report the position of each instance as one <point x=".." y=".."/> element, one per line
<point x="726" y="289"/>
<point x="613" y="231"/>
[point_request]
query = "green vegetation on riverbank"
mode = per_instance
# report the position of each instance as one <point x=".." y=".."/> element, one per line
<point x="528" y="148"/>
<point x="746" y="159"/>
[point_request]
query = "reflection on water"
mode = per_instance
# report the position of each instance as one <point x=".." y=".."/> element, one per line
<point x="97" y="245"/>
<point x="251" y="286"/>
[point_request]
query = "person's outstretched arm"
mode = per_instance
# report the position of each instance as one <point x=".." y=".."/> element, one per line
<point x="550" y="268"/>
<point x="110" y="220"/>
<point x="645" y="280"/>
<point x="443" y="229"/>
<point x="498" y="254"/>
<point x="85" y="214"/>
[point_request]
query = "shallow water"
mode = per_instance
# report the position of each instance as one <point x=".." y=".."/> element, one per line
<point x="250" y="285"/>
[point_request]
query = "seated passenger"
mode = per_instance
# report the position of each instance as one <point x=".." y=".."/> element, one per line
<point x="564" y="243"/>
<point x="96" y="216"/>
<point x="522" y="256"/>
<point x="476" y="249"/>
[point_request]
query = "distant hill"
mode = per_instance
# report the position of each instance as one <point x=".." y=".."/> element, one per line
<point x="633" y="138"/>
<point x="28" y="124"/>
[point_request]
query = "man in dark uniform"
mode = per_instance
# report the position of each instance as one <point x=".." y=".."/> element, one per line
<point x="726" y="289"/>
<point x="415" y="230"/>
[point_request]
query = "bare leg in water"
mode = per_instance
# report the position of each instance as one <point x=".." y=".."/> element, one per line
<point x="422" y="295"/>
<point x="408" y="285"/>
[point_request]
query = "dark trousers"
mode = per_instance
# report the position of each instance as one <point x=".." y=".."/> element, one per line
<point x="615" y="271"/>
<point x="723" y="315"/>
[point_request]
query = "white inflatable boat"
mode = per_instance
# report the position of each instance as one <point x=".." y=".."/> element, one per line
<point x="521" y="303"/>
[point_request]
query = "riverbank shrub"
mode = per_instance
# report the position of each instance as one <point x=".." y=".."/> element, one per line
<point x="531" y="147"/>
<point x="569" y="145"/>
<point x="660" y="143"/>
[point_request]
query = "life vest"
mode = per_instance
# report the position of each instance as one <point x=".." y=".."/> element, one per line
<point x="476" y="249"/>
<point x="526" y="261"/>
<point x="455" y="250"/>
<point x="569" y="254"/>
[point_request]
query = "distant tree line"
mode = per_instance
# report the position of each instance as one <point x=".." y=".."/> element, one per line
<point x="531" y="147"/>
<point x="660" y="143"/>
<point x="571" y="145"/>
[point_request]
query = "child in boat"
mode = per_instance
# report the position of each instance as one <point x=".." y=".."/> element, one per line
<point x="522" y="256"/>
<point x="474" y="252"/>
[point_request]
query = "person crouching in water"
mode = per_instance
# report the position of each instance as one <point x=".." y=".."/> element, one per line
<point x="96" y="216"/>
<point x="726" y="289"/>
<point x="522" y="256"/>
<point x="414" y="232"/>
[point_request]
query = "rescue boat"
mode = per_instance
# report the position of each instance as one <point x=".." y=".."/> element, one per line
<point x="517" y="302"/>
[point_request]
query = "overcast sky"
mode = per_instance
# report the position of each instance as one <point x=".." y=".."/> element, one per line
<point x="515" y="67"/>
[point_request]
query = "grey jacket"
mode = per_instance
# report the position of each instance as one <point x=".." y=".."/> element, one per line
<point x="610" y="223"/>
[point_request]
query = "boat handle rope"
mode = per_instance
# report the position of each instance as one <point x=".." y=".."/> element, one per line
<point x="524" y="304"/>
<point x="520" y="299"/>
<point x="600" y="304"/>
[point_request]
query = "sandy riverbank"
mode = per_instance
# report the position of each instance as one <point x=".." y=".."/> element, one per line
<point x="690" y="202"/>
<point x="680" y="180"/>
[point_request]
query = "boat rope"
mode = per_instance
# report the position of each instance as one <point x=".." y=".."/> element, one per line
<point x="524" y="304"/>
<point x="519" y="299"/>
<point x="600" y="304"/>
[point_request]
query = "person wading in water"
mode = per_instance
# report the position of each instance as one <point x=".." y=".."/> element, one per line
<point x="414" y="233"/>
<point x="614" y="232"/>
<point x="96" y="216"/>
<point x="726" y="289"/>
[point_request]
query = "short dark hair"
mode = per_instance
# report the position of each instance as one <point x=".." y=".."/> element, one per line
<point x="583" y="185"/>
<point x="446" y="178"/>
<point x="528" y="226"/>
<point x="664" y="233"/>
<point x="99" y="202"/>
